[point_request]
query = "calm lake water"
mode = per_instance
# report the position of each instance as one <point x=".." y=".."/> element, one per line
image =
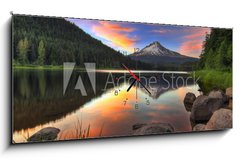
<point x="39" y="102"/>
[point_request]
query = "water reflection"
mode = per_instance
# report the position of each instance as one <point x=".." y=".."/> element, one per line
<point x="39" y="102"/>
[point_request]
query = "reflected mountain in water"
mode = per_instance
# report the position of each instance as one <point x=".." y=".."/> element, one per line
<point x="166" y="82"/>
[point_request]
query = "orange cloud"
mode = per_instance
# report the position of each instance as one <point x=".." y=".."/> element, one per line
<point x="191" y="48"/>
<point x="116" y="34"/>
<point x="116" y="27"/>
<point x="197" y="33"/>
<point x="193" y="41"/>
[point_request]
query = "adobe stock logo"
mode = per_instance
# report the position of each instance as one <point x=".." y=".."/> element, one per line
<point x="68" y="68"/>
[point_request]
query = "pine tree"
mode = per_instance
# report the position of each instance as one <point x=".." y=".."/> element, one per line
<point x="23" y="48"/>
<point x="217" y="50"/>
<point x="41" y="53"/>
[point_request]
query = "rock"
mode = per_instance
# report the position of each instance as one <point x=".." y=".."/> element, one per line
<point x="188" y="100"/>
<point x="154" y="128"/>
<point x="229" y="95"/>
<point x="45" y="134"/>
<point x="229" y="92"/>
<point x="219" y="95"/>
<point x="221" y="119"/>
<point x="138" y="125"/>
<point x="203" y="108"/>
<point x="199" y="127"/>
<point x="229" y="104"/>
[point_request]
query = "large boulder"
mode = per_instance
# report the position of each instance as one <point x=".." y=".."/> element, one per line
<point x="221" y="119"/>
<point x="229" y="92"/>
<point x="199" y="127"/>
<point x="188" y="100"/>
<point x="229" y="104"/>
<point x="45" y="134"/>
<point x="203" y="108"/>
<point x="153" y="128"/>
<point x="218" y="94"/>
<point x="229" y="95"/>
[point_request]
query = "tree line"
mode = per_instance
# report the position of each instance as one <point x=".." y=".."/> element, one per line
<point x="217" y="50"/>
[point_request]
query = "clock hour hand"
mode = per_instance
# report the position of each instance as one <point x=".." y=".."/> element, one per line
<point x="131" y="85"/>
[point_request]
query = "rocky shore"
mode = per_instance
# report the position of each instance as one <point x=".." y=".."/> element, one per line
<point x="210" y="112"/>
<point x="207" y="112"/>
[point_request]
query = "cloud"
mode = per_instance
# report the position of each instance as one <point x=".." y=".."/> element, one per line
<point x="191" y="48"/>
<point x="116" y="33"/>
<point x="115" y="27"/>
<point x="191" y="38"/>
<point x="192" y="41"/>
<point x="197" y="33"/>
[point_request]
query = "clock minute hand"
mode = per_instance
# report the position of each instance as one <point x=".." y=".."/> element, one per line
<point x="136" y="78"/>
<point x="131" y="73"/>
<point x="145" y="87"/>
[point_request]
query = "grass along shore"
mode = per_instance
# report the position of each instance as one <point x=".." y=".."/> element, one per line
<point x="213" y="79"/>
<point x="36" y="67"/>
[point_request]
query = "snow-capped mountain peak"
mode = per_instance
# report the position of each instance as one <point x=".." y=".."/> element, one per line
<point x="155" y="49"/>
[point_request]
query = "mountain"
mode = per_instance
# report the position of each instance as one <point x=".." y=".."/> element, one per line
<point x="155" y="53"/>
<point x="156" y="49"/>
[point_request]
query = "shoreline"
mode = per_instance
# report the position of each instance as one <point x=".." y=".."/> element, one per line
<point x="99" y="70"/>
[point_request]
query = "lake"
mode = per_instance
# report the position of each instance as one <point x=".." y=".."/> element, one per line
<point x="39" y="102"/>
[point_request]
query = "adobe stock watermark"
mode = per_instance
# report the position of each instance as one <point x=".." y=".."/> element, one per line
<point x="153" y="81"/>
<point x="164" y="81"/>
<point x="68" y="68"/>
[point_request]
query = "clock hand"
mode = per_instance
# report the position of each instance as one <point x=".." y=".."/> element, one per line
<point x="136" y="78"/>
<point x="144" y="87"/>
<point x="131" y="73"/>
<point x="131" y="85"/>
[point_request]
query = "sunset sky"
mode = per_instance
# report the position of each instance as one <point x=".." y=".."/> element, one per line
<point x="125" y="36"/>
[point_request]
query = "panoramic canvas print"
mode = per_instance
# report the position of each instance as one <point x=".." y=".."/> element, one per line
<point x="75" y="79"/>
